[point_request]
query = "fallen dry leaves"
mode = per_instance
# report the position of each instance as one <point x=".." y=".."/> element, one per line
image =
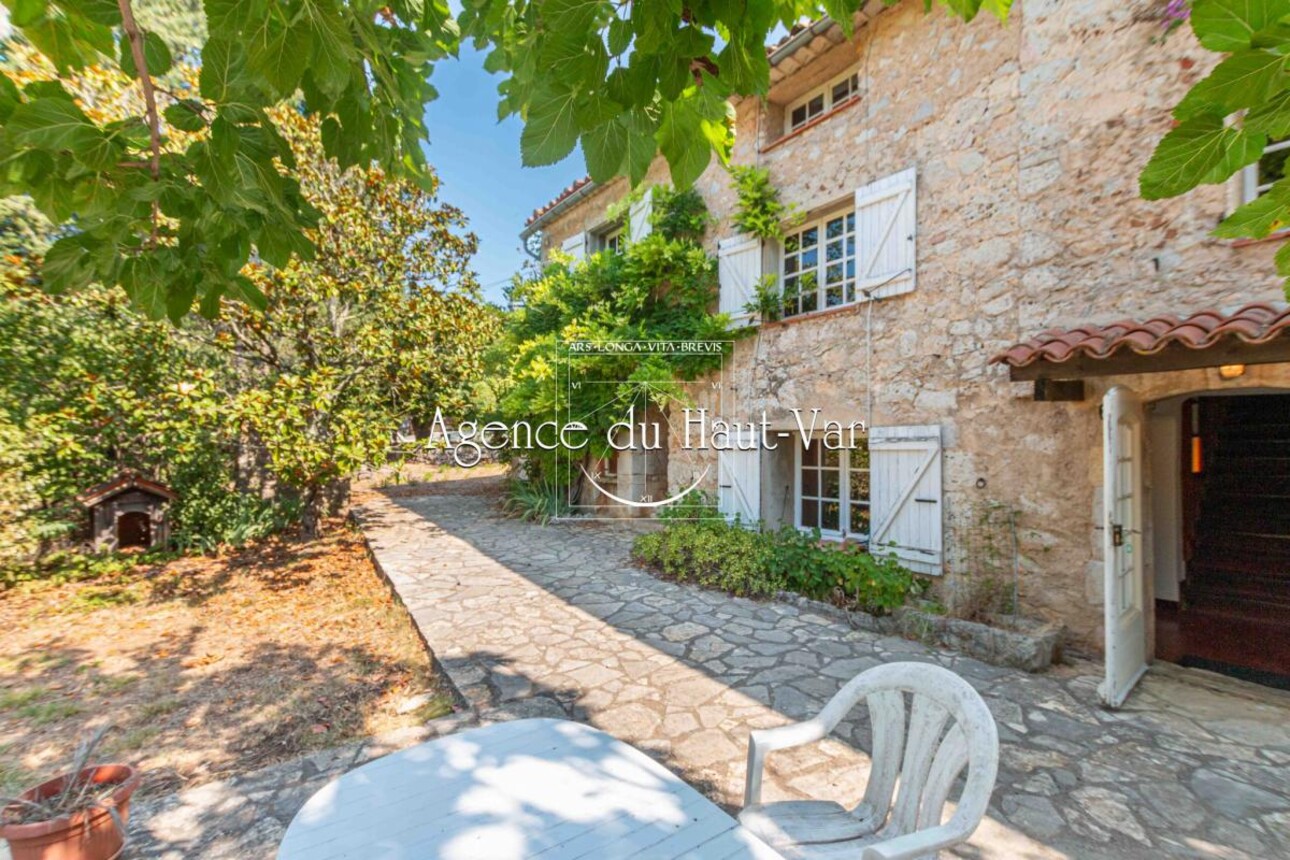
<point x="209" y="666"/>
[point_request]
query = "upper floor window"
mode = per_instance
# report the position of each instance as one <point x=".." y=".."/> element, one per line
<point x="820" y="101"/>
<point x="818" y="264"/>
<point x="1264" y="173"/>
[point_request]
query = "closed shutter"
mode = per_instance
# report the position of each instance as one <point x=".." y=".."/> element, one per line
<point x="739" y="479"/>
<point x="905" y="483"/>
<point x="886" y="229"/>
<point x="638" y="225"/>
<point x="738" y="272"/>
<point x="576" y="246"/>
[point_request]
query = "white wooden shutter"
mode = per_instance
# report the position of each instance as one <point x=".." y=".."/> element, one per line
<point x="905" y="487"/>
<point x="739" y="479"/>
<point x="576" y="246"/>
<point x="738" y="271"/>
<point x="638" y="225"/>
<point x="886" y="231"/>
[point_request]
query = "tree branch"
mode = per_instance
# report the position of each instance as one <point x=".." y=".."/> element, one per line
<point x="135" y="35"/>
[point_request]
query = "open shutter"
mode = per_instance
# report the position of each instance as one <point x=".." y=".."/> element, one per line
<point x="905" y="483"/>
<point x="576" y="246"/>
<point x="886" y="228"/>
<point x="638" y="225"/>
<point x="739" y="479"/>
<point x="738" y="271"/>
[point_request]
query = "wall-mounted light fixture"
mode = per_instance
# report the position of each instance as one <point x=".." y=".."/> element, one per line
<point x="1231" y="371"/>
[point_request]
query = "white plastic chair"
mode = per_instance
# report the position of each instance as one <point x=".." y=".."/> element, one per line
<point x="949" y="729"/>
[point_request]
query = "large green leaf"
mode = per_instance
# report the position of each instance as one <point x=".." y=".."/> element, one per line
<point x="605" y="147"/>
<point x="1230" y="25"/>
<point x="333" y="51"/>
<point x="68" y="265"/>
<point x="550" y="129"/>
<point x="1259" y="217"/>
<point x="53" y="124"/>
<point x="682" y="143"/>
<point x="1201" y="150"/>
<point x="1241" y="81"/>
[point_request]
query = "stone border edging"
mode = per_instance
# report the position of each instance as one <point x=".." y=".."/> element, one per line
<point x="1033" y="649"/>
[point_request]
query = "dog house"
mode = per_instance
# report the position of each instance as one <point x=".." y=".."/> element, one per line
<point x="128" y="511"/>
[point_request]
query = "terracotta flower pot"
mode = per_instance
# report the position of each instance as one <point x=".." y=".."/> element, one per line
<point x="89" y="834"/>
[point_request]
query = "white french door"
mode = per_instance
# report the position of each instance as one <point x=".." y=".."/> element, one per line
<point x="1123" y="544"/>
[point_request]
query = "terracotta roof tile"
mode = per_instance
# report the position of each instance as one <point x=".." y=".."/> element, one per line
<point x="1255" y="323"/>
<point x="577" y="185"/>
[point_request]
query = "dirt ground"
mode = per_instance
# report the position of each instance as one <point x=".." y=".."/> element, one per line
<point x="210" y="666"/>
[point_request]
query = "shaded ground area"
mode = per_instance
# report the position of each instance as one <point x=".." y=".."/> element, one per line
<point x="209" y="667"/>
<point x="556" y="621"/>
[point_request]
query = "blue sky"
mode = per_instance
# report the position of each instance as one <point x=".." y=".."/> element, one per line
<point x="478" y="160"/>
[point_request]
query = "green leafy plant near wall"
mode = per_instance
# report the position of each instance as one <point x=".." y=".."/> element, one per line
<point x="715" y="554"/>
<point x="658" y="288"/>
<point x="759" y="211"/>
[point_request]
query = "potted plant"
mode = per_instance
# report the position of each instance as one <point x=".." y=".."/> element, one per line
<point x="80" y="815"/>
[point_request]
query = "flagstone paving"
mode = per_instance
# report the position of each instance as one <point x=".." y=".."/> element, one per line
<point x="555" y="621"/>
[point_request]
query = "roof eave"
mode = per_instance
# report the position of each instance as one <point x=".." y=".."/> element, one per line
<point x="557" y="209"/>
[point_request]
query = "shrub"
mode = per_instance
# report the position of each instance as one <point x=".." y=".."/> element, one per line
<point x="714" y="554"/>
<point x="699" y="505"/>
<point x="537" y="500"/>
<point x="711" y="554"/>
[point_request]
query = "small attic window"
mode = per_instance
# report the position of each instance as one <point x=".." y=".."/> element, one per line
<point x="821" y="100"/>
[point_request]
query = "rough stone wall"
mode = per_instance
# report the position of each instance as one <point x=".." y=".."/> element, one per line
<point x="1028" y="139"/>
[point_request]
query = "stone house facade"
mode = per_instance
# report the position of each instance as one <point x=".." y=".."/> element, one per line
<point x="988" y="175"/>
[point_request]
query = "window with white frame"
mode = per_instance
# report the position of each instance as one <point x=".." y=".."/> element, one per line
<point x="820" y="101"/>
<point x="833" y="490"/>
<point x="818" y="264"/>
<point x="1262" y="174"/>
<point x="613" y="240"/>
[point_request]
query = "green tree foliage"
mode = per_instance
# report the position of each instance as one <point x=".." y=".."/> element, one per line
<point x="1225" y="120"/>
<point x="658" y="289"/>
<point x="88" y="387"/>
<point x="169" y="198"/>
<point x="385" y="323"/>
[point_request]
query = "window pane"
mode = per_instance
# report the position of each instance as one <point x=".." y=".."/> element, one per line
<point x="815" y="106"/>
<point x="833" y="229"/>
<point x="811" y="454"/>
<point x="810" y="482"/>
<point x="833" y="297"/>
<point x="833" y="251"/>
<point x="810" y="302"/>
<point x="791" y="244"/>
<point x="799" y="116"/>
<point x="790" y="264"/>
<point x="859" y="486"/>
<point x="851" y="222"/>
<point x="860" y="456"/>
<point x="1272" y="166"/>
<point x="810" y="237"/>
<point x="830" y="514"/>
<point x="832" y="457"/>
<point x="811" y="258"/>
<point x="810" y="513"/>
<point x="841" y="91"/>
<point x="833" y="274"/>
<point x="832" y="480"/>
<point x="851" y="268"/>
<point x="860" y="519"/>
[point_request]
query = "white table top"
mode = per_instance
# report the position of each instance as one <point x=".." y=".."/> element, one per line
<point x="532" y="788"/>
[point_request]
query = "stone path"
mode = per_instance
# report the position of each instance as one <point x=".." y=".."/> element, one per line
<point x="530" y="620"/>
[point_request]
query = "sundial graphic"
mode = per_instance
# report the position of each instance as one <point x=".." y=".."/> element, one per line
<point x="656" y="410"/>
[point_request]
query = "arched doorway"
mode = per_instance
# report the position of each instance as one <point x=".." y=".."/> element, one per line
<point x="133" y="528"/>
